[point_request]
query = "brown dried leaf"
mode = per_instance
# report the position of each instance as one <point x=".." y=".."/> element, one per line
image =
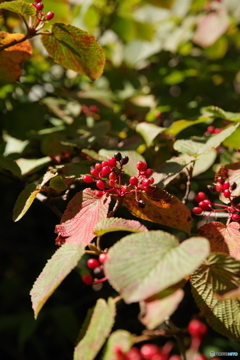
<point x="162" y="208"/>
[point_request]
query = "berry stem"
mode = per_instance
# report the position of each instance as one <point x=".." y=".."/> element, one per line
<point x="212" y="214"/>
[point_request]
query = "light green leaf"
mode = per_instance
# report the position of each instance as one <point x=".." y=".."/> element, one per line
<point x="233" y="141"/>
<point x="29" y="166"/>
<point x="24" y="201"/>
<point x="217" y="112"/>
<point x="148" y="132"/>
<point x="204" y="162"/>
<point x="121" y="339"/>
<point x="153" y="261"/>
<point x="57" y="268"/>
<point x="75" y="49"/>
<point x="9" y="164"/>
<point x="180" y="125"/>
<point x="118" y="224"/>
<point x="97" y="332"/>
<point x="19" y="7"/>
<point x="219" y="273"/>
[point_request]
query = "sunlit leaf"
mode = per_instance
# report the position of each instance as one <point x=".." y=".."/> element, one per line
<point x="8" y="164"/>
<point x="82" y="217"/>
<point x="223" y="238"/>
<point x="217" y="112"/>
<point x="29" y="166"/>
<point x="120" y="339"/>
<point x="153" y="261"/>
<point x="148" y="131"/>
<point x="24" y="201"/>
<point x="218" y="273"/>
<point x="19" y="7"/>
<point x="97" y="332"/>
<point x="57" y="268"/>
<point x="75" y="49"/>
<point x="118" y="224"/>
<point x="204" y="162"/>
<point x="13" y="57"/>
<point x="162" y="208"/>
<point x="178" y="126"/>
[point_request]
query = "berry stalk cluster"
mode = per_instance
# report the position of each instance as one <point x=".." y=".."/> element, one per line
<point x="107" y="176"/>
<point x="97" y="271"/>
<point x="37" y="22"/>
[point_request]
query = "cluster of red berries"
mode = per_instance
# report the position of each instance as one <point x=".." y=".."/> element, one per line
<point x="96" y="265"/>
<point x="212" y="130"/>
<point x="221" y="186"/>
<point x="146" y="352"/>
<point x="41" y="16"/>
<point x="107" y="176"/>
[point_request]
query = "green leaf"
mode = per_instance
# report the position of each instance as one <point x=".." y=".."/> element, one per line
<point x="120" y="339"/>
<point x="57" y="268"/>
<point x="219" y="273"/>
<point x="117" y="224"/>
<point x="29" y="166"/>
<point x="220" y="113"/>
<point x="9" y="164"/>
<point x="204" y="162"/>
<point x="148" y="132"/>
<point x="75" y="49"/>
<point x="24" y="201"/>
<point x="233" y="140"/>
<point x="97" y="332"/>
<point x="130" y="168"/>
<point x="153" y="261"/>
<point x="75" y="169"/>
<point x="19" y="7"/>
<point x="180" y="125"/>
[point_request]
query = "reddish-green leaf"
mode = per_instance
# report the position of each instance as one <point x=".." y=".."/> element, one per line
<point x="83" y="213"/>
<point x="118" y="224"/>
<point x="152" y="261"/>
<point x="24" y="201"/>
<point x="120" y="339"/>
<point x="219" y="273"/>
<point x="12" y="58"/>
<point x="162" y="208"/>
<point x="223" y="238"/>
<point x="75" y="49"/>
<point x="19" y="7"/>
<point x="9" y="164"/>
<point x="97" y="332"/>
<point x="57" y="268"/>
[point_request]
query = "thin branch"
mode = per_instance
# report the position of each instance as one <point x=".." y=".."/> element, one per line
<point x="188" y="172"/>
<point x="15" y="42"/>
<point x="25" y="22"/>
<point x="213" y="214"/>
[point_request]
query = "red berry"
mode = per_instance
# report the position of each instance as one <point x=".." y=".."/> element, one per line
<point x="149" y="189"/>
<point x="112" y="176"/>
<point x="197" y="328"/>
<point x="159" y="356"/>
<point x="226" y="185"/>
<point x="87" y="279"/>
<point x="197" y="210"/>
<point x="220" y="180"/>
<point x="227" y="194"/>
<point x="105" y="171"/>
<point x="217" y="131"/>
<point x="112" y="161"/>
<point x="148" y="172"/>
<point x="133" y="354"/>
<point x="38" y="1"/>
<point x="205" y="204"/>
<point x="133" y="180"/>
<point x="148" y="350"/>
<point x="93" y="263"/>
<point x="103" y="257"/>
<point x="145" y="182"/>
<point x="200" y="196"/>
<point x="94" y="172"/>
<point x="235" y="217"/>
<point x="141" y="166"/>
<point x="105" y="163"/>
<point x="124" y="189"/>
<point x="50" y="15"/>
<point x="88" y="179"/>
<point x="199" y="357"/>
<point x="100" y="184"/>
<point x="39" y="6"/>
<point x="175" y="357"/>
<point x="238" y="149"/>
<point x="99" y="194"/>
<point x="112" y="183"/>
<point x="151" y="180"/>
<point x="219" y="187"/>
<point x="211" y="129"/>
<point x="98" y="167"/>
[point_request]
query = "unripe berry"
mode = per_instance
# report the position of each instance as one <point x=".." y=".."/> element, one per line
<point x="226" y="185"/>
<point x="100" y="184"/>
<point x="105" y="163"/>
<point x="118" y="156"/>
<point x="125" y="160"/>
<point x="200" y="197"/>
<point x="197" y="210"/>
<point x="92" y="263"/>
<point x="87" y="279"/>
<point x="94" y="172"/>
<point x="39" y="6"/>
<point x="99" y="194"/>
<point x="235" y="217"/>
<point x="149" y="350"/>
<point x="87" y="179"/>
<point x="133" y="180"/>
<point x="112" y="161"/>
<point x="103" y="257"/>
<point x="50" y="15"/>
<point x="219" y="187"/>
<point x="197" y="328"/>
<point x="141" y="166"/>
<point x="148" y="172"/>
<point x="105" y="171"/>
<point x="227" y="194"/>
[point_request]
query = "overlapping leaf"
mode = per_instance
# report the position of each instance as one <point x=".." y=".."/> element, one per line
<point x="215" y="111"/>
<point x="118" y="224"/>
<point x="162" y="208"/>
<point x="20" y="7"/>
<point x="13" y="57"/>
<point x="9" y="164"/>
<point x="149" y="131"/>
<point x="24" y="201"/>
<point x="81" y="216"/>
<point x="97" y="332"/>
<point x="219" y="273"/>
<point x="75" y="49"/>
<point x="120" y="339"/>
<point x="57" y="268"/>
<point x="152" y="261"/>
<point x="223" y="238"/>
